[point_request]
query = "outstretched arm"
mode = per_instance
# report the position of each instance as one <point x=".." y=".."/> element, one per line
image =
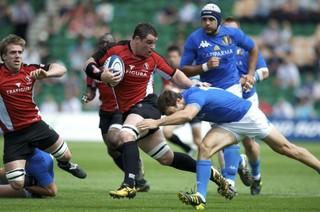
<point x="179" y="117"/>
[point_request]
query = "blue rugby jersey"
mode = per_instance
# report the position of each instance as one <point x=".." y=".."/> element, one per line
<point x="199" y="48"/>
<point x="216" y="105"/>
<point x="40" y="166"/>
<point x="242" y="65"/>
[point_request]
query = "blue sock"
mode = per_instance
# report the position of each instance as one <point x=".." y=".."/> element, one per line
<point x="203" y="176"/>
<point x="255" y="168"/>
<point x="232" y="160"/>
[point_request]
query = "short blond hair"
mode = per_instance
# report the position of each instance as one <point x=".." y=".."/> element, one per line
<point x="11" y="39"/>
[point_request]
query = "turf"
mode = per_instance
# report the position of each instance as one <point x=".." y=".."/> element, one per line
<point x="287" y="186"/>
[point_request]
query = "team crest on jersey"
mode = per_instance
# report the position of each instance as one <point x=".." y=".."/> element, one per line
<point x="216" y="48"/>
<point x="29" y="80"/>
<point x="226" y="40"/>
<point x="204" y="44"/>
<point x="146" y="66"/>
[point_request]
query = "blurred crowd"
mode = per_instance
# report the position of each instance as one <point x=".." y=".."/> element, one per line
<point x="293" y="60"/>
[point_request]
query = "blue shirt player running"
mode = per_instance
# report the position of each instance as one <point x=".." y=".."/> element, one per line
<point x="252" y="148"/>
<point x="234" y="118"/>
<point x="39" y="178"/>
<point x="210" y="51"/>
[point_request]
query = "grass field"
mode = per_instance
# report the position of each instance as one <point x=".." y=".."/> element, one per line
<point x="287" y="186"/>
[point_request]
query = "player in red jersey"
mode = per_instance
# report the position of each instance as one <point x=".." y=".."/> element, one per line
<point x="110" y="116"/>
<point x="135" y="98"/>
<point x="20" y="118"/>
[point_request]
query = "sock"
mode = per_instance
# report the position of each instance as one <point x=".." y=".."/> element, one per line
<point x="176" y="140"/>
<point x="255" y="169"/>
<point x="140" y="175"/>
<point x="130" y="159"/>
<point x="65" y="164"/>
<point x="119" y="162"/>
<point x="183" y="162"/>
<point x="203" y="175"/>
<point x="232" y="159"/>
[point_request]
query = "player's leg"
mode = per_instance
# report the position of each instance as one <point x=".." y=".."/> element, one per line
<point x="129" y="134"/>
<point x="214" y="140"/>
<point x="232" y="160"/>
<point x="48" y="140"/>
<point x="16" y="151"/>
<point x="252" y="149"/>
<point x="156" y="147"/>
<point x="281" y="145"/>
<point x="173" y="138"/>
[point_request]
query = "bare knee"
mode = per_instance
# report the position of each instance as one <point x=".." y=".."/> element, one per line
<point x="17" y="185"/>
<point x="52" y="192"/>
<point x="166" y="159"/>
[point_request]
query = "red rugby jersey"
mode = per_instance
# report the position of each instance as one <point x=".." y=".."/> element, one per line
<point x="17" y="108"/>
<point x="137" y="82"/>
<point x="107" y="98"/>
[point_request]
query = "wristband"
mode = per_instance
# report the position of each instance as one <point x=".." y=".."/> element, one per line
<point x="93" y="71"/>
<point x="258" y="76"/>
<point x="204" y="67"/>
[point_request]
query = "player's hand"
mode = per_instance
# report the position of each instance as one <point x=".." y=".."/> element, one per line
<point x="147" y="124"/>
<point x="39" y="74"/>
<point x="248" y="82"/>
<point x="88" y="96"/>
<point x="110" y="78"/>
<point x="213" y="62"/>
<point x="202" y="84"/>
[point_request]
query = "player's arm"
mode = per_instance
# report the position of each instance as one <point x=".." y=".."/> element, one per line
<point x="104" y="74"/>
<point x="53" y="70"/>
<point x="179" y="117"/>
<point x="181" y="80"/>
<point x="48" y="191"/>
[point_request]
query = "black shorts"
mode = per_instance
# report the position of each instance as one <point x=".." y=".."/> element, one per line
<point x="109" y="118"/>
<point x="195" y="120"/>
<point x="18" y="145"/>
<point x="147" y="108"/>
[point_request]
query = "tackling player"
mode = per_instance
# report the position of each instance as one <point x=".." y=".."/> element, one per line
<point x="39" y="178"/>
<point x="234" y="116"/>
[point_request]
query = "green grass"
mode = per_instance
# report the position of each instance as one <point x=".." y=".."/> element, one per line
<point x="287" y="186"/>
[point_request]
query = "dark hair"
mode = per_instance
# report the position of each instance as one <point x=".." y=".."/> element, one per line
<point x="143" y="30"/>
<point x="105" y="40"/>
<point x="174" y="48"/>
<point x="232" y="19"/>
<point x="10" y="39"/>
<point x="166" y="99"/>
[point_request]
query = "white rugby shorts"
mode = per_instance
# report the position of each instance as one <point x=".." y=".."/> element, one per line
<point x="253" y="124"/>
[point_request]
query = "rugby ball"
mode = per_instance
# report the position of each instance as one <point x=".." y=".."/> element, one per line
<point x="116" y="64"/>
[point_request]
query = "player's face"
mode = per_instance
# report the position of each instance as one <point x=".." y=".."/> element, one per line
<point x="209" y="24"/>
<point x="174" y="59"/>
<point x="13" y="57"/>
<point x="145" y="46"/>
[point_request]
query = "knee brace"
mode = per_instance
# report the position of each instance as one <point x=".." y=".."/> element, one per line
<point x="159" y="150"/>
<point x="16" y="175"/>
<point x="59" y="152"/>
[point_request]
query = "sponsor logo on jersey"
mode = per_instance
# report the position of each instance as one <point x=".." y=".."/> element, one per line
<point x="204" y="44"/>
<point x="138" y="73"/>
<point x="131" y="67"/>
<point x="19" y="89"/>
<point x="18" y="84"/>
